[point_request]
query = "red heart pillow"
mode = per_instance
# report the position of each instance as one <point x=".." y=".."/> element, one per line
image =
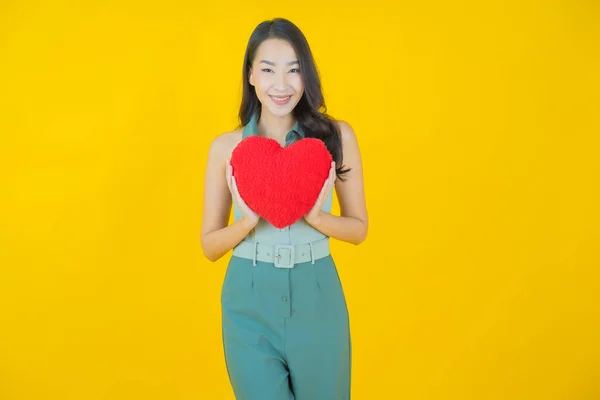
<point x="281" y="184"/>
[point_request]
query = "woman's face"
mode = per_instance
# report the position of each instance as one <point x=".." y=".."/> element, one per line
<point x="276" y="77"/>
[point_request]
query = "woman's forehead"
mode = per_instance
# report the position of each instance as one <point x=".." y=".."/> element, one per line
<point x="276" y="51"/>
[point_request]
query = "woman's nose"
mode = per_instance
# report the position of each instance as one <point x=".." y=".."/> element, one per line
<point x="282" y="81"/>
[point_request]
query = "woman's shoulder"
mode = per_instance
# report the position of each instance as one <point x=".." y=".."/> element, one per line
<point x="346" y="131"/>
<point x="224" y="143"/>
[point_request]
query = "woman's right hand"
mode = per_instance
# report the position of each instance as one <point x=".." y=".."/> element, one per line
<point x="251" y="217"/>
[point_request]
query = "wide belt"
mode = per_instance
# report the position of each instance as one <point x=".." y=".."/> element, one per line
<point x="282" y="255"/>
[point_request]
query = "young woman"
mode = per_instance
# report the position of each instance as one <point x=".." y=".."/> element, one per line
<point x="286" y="331"/>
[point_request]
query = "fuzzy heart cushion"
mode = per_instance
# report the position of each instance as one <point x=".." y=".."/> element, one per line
<point x="281" y="184"/>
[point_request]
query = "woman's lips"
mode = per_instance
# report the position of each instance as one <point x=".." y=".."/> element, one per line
<point x="280" y="100"/>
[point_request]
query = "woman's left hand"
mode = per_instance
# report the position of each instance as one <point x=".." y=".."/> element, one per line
<point x="314" y="214"/>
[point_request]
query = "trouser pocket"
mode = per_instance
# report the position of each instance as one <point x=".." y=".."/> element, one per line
<point x="238" y="281"/>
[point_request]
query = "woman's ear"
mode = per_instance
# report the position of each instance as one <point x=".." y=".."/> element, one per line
<point x="250" y="78"/>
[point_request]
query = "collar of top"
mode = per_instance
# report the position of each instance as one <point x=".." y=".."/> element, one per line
<point x="251" y="128"/>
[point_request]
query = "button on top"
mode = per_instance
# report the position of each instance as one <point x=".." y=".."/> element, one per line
<point x="283" y="298"/>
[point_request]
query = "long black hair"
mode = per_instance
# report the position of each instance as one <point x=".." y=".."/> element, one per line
<point x="310" y="112"/>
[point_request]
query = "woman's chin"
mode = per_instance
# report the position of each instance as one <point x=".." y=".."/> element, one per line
<point x="280" y="111"/>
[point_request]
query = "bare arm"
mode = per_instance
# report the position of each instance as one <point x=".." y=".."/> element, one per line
<point x="352" y="225"/>
<point x="217" y="237"/>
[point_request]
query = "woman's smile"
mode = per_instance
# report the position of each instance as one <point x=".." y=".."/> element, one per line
<point x="280" y="100"/>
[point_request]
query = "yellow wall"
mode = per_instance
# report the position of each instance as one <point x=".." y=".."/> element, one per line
<point x="478" y="125"/>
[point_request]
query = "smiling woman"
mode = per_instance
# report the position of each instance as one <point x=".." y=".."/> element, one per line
<point x="286" y="330"/>
<point x="285" y="88"/>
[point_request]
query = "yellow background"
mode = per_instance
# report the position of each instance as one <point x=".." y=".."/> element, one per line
<point x="478" y="125"/>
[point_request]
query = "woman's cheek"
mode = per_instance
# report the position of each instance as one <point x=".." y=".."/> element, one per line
<point x="296" y="82"/>
<point x="264" y="81"/>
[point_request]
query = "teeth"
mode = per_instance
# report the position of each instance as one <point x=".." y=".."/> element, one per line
<point x="281" y="98"/>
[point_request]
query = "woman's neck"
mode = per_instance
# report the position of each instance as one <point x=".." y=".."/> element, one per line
<point x="275" y="127"/>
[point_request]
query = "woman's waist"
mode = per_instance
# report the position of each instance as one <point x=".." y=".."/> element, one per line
<point x="283" y="254"/>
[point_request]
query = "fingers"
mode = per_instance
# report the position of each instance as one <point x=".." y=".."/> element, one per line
<point x="323" y="191"/>
<point x="228" y="176"/>
<point x="229" y="168"/>
<point x="238" y="197"/>
<point x="236" y="194"/>
<point x="229" y="173"/>
<point x="241" y="203"/>
<point x="325" y="186"/>
<point x="234" y="187"/>
<point x="332" y="174"/>
<point x="332" y="171"/>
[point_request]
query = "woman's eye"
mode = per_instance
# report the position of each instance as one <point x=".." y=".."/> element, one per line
<point x="295" y="69"/>
<point x="266" y="69"/>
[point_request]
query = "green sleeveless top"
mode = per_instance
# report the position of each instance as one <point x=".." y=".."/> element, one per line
<point x="264" y="232"/>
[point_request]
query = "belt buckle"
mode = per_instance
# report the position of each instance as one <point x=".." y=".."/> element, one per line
<point x="287" y="256"/>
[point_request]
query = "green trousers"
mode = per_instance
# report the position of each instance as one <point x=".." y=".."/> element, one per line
<point x="286" y="332"/>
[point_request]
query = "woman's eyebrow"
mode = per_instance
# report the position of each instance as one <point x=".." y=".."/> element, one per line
<point x="273" y="64"/>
